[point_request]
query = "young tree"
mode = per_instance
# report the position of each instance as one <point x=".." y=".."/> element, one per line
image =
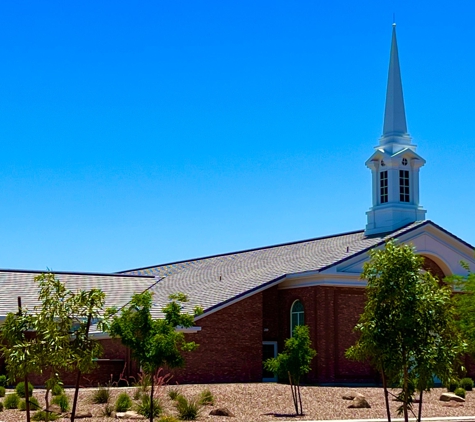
<point x="408" y="329"/>
<point x="153" y="342"/>
<point x="40" y="341"/>
<point x="294" y="362"/>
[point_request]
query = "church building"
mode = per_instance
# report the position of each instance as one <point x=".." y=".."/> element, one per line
<point x="252" y="299"/>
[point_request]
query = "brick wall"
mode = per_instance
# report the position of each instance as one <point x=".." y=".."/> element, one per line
<point x="230" y="346"/>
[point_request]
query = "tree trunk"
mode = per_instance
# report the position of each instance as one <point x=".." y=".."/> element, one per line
<point x="386" y="394"/>
<point x="151" y="398"/>
<point x="76" y="392"/>
<point x="405" y="386"/>
<point x="300" y="397"/>
<point x="419" y="416"/>
<point x="294" y="397"/>
<point x="27" y="399"/>
<point x="47" y="403"/>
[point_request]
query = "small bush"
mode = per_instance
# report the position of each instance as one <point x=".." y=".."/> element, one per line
<point x="3" y="380"/>
<point x="107" y="411"/>
<point x="2" y="391"/>
<point x="173" y="393"/>
<point x="206" y="398"/>
<point x="43" y="415"/>
<point x="11" y="401"/>
<point x="34" y="405"/>
<point x="20" y="389"/>
<point x="123" y="403"/>
<point x="168" y="418"/>
<point x="143" y="407"/>
<point x="57" y="390"/>
<point x="453" y="385"/>
<point x="62" y="401"/>
<point x="460" y="392"/>
<point x="188" y="410"/>
<point x="1" y="406"/>
<point x="467" y="383"/>
<point x="101" y="395"/>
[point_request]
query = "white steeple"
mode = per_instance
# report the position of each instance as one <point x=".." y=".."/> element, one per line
<point x="394" y="164"/>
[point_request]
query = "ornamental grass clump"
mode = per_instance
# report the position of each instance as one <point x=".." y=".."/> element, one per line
<point x="34" y="405"/>
<point x="173" y="393"/>
<point x="460" y="392"/>
<point x="57" y="390"/>
<point x="467" y="383"/>
<point x="188" y="410"/>
<point x="168" y="418"/>
<point x="43" y="415"/>
<point x="1" y="406"/>
<point x="2" y="391"/>
<point x="101" y="395"/>
<point x="11" y="401"/>
<point x="143" y="407"/>
<point x="206" y="398"/>
<point x="123" y="403"/>
<point x="62" y="401"/>
<point x="107" y="411"/>
<point x="20" y="389"/>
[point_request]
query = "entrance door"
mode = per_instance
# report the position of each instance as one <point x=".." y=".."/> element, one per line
<point x="269" y="350"/>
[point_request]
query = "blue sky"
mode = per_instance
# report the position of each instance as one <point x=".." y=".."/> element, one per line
<point x="139" y="133"/>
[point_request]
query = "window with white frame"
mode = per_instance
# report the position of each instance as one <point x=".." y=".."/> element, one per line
<point x="296" y="315"/>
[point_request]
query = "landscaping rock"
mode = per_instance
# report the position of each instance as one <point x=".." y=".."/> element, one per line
<point x="54" y="408"/>
<point x="222" y="411"/>
<point x="451" y="397"/>
<point x="80" y="415"/>
<point x="130" y="414"/>
<point x="359" y="403"/>
<point x="351" y="396"/>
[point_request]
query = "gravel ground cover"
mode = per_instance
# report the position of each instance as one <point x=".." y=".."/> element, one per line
<point x="269" y="402"/>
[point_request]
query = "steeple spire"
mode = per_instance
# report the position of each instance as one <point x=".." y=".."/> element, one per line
<point x="394" y="164"/>
<point x="394" y="115"/>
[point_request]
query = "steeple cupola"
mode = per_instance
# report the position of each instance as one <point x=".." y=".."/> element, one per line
<point x="394" y="164"/>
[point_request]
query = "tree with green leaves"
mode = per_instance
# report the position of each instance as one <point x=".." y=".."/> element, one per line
<point x="153" y="342"/>
<point x="40" y="341"/>
<point x="408" y="329"/>
<point x="294" y="362"/>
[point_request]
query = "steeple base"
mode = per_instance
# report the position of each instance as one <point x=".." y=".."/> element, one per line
<point x="387" y="218"/>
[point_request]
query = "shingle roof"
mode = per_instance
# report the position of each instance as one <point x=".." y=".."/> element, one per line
<point x="213" y="281"/>
<point x="118" y="288"/>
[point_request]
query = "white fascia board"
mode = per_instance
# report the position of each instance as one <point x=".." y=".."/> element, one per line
<point x="340" y="280"/>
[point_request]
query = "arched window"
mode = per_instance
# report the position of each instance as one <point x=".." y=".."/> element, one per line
<point x="296" y="315"/>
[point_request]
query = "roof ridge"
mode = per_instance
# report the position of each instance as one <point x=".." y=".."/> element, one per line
<point x="74" y="273"/>
<point x="242" y="251"/>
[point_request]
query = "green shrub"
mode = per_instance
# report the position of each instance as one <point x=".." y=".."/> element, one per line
<point x="101" y="395"/>
<point x="173" y="393"/>
<point x="11" y="401"/>
<point x="3" y="380"/>
<point x="143" y="407"/>
<point x="188" y="410"/>
<point x="57" y="390"/>
<point x="123" y="403"/>
<point x="460" y="392"/>
<point x="34" y="405"/>
<point x="2" y="391"/>
<point x="62" y="401"/>
<point x="20" y="389"/>
<point x="43" y="415"/>
<point x="467" y="383"/>
<point x="453" y="385"/>
<point x="206" y="398"/>
<point x="1" y="406"/>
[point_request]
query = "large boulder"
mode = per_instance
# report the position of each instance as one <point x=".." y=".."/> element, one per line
<point x="359" y="402"/>
<point x="451" y="397"/>
<point x="130" y="414"/>
<point x="222" y="411"/>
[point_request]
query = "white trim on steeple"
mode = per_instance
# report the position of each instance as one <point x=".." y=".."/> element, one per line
<point x="395" y="164"/>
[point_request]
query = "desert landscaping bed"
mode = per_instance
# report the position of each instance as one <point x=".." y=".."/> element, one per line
<point x="267" y="402"/>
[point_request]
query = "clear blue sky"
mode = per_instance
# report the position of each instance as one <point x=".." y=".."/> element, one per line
<point x="139" y="133"/>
